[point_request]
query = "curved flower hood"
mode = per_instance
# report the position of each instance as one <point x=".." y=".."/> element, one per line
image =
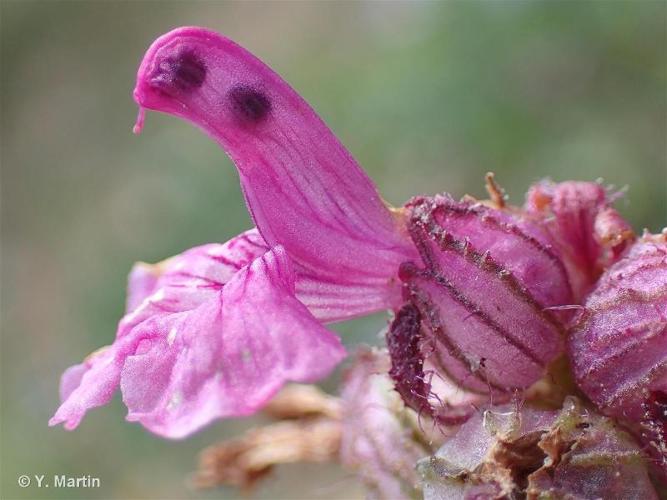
<point x="303" y="189"/>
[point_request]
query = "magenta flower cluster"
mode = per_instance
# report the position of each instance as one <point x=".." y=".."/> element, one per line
<point x="486" y="298"/>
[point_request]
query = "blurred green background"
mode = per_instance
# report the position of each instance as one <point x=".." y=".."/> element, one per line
<point x="427" y="96"/>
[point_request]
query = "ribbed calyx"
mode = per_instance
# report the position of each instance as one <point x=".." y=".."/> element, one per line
<point x="618" y="346"/>
<point x="478" y="310"/>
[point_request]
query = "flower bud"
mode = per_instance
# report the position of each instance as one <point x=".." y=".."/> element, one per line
<point x="618" y="346"/>
<point x="483" y="297"/>
<point x="589" y="233"/>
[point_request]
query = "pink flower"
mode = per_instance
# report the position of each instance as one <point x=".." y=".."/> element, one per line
<point x="589" y="233"/>
<point x="215" y="331"/>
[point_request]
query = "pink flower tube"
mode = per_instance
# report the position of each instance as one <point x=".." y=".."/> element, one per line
<point x="303" y="188"/>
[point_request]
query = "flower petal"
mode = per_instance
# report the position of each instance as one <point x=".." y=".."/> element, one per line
<point x="330" y="300"/>
<point x="141" y="283"/>
<point x="326" y="299"/>
<point x="183" y="282"/>
<point x="206" y="265"/>
<point x="303" y="189"/>
<point x="215" y="338"/>
<point x="85" y="386"/>
<point x="589" y="233"/>
<point x="231" y="355"/>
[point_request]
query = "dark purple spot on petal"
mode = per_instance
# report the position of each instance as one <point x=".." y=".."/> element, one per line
<point x="184" y="72"/>
<point x="249" y="105"/>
